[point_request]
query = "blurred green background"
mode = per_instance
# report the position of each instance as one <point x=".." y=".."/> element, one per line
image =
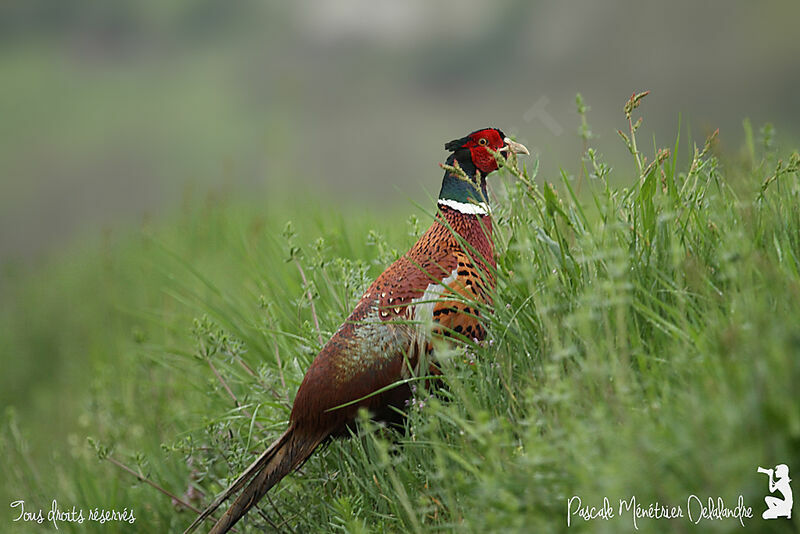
<point x="124" y="120"/>
<point x="110" y="110"/>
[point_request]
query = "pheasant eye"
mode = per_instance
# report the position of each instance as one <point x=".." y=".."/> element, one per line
<point x="482" y="142"/>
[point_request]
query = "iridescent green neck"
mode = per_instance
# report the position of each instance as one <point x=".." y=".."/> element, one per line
<point x="464" y="192"/>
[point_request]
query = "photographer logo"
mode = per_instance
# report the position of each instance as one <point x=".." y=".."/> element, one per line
<point x="694" y="508"/>
<point x="778" y="481"/>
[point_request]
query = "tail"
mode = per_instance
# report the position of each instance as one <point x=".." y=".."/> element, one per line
<point x="287" y="453"/>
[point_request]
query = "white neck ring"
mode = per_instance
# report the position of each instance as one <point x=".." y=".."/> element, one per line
<point x="473" y="208"/>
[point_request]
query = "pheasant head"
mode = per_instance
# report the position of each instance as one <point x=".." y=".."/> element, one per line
<point x="474" y="154"/>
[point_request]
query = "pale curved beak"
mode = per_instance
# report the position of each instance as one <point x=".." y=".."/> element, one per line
<point x="513" y="146"/>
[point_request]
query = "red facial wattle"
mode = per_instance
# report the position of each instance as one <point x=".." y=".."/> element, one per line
<point x="483" y="144"/>
<point x="483" y="160"/>
<point x="479" y="143"/>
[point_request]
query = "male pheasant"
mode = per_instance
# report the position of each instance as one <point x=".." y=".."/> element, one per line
<point x="430" y="291"/>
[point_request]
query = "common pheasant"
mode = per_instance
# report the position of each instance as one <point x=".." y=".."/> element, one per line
<point x="432" y="290"/>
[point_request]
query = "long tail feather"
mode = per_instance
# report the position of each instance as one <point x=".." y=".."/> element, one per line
<point x="289" y="455"/>
<point x="286" y="454"/>
<point x="254" y="468"/>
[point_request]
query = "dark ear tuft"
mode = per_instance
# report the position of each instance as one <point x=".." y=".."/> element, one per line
<point x="455" y="144"/>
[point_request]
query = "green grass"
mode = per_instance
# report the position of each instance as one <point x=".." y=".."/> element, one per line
<point x="645" y="343"/>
